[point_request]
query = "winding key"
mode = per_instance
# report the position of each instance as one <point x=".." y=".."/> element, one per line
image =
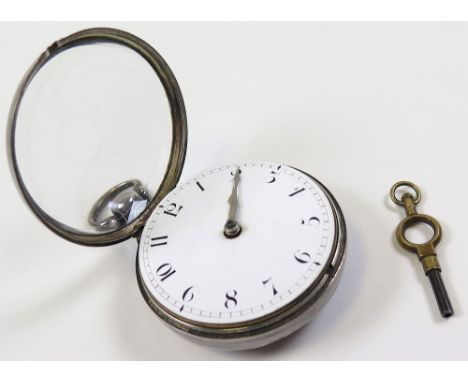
<point x="425" y="251"/>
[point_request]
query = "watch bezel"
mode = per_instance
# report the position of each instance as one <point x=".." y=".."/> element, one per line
<point x="179" y="132"/>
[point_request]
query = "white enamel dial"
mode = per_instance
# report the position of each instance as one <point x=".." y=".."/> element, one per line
<point x="197" y="274"/>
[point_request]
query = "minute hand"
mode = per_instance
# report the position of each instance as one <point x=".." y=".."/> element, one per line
<point x="232" y="227"/>
<point x="233" y="200"/>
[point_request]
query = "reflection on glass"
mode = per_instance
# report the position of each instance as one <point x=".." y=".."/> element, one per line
<point x="93" y="117"/>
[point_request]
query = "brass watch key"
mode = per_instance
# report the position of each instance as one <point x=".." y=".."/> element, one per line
<point x="425" y="251"/>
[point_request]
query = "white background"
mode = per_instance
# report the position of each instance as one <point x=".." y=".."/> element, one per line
<point x="357" y="105"/>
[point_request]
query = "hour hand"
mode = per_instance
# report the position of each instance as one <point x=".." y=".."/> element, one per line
<point x="232" y="228"/>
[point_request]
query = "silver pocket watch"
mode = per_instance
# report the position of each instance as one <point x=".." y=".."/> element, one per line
<point x="235" y="257"/>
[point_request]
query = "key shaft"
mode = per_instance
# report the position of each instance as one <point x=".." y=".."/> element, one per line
<point x="440" y="293"/>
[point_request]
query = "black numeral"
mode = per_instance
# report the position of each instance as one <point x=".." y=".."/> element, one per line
<point x="231" y="301"/>
<point x="302" y="257"/>
<point x="233" y="173"/>
<point x="164" y="271"/>
<point x="297" y="191"/>
<point x="314" y="221"/>
<point x="273" y="173"/>
<point x="173" y="209"/>
<point x="200" y="186"/>
<point x="157" y="241"/>
<point x="272" y="285"/>
<point x="187" y="296"/>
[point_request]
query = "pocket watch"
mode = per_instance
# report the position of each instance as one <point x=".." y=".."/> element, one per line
<point x="235" y="257"/>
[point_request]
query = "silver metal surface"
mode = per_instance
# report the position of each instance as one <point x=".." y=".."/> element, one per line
<point x="119" y="206"/>
<point x="271" y="328"/>
<point x="179" y="132"/>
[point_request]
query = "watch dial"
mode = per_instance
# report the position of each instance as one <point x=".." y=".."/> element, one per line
<point x="196" y="273"/>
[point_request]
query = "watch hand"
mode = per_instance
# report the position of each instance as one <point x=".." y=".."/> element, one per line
<point x="233" y="200"/>
<point x="232" y="228"/>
